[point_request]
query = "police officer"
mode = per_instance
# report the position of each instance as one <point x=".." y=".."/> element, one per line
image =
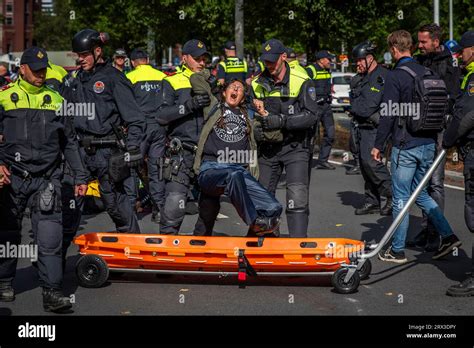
<point x="288" y="112"/>
<point x="33" y="137"/>
<point x="320" y="73"/>
<point x="147" y="82"/>
<point x="435" y="56"/>
<point x="232" y="67"/>
<point x="293" y="62"/>
<point x="366" y="96"/>
<point x="110" y="93"/>
<point x="461" y="132"/>
<point x="55" y="75"/>
<point x="119" y="60"/>
<point x="181" y="112"/>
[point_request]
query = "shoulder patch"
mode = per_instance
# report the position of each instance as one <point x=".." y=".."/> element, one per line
<point x="4" y="88"/>
<point x="470" y="89"/>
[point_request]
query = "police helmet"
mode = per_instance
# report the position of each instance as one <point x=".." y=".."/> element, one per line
<point x="363" y="49"/>
<point x="88" y="39"/>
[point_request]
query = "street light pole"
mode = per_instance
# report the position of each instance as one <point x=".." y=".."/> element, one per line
<point x="239" y="27"/>
<point x="436" y="12"/>
<point x="450" y="19"/>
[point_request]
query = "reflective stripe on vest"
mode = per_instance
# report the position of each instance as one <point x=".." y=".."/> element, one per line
<point x="180" y="80"/>
<point x="29" y="97"/>
<point x="296" y="81"/>
<point x="145" y="72"/>
<point x="470" y="69"/>
<point x="234" y="65"/>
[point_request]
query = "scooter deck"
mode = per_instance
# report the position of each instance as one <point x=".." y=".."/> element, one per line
<point x="218" y="254"/>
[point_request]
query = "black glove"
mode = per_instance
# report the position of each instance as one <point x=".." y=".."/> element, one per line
<point x="258" y="132"/>
<point x="197" y="102"/>
<point x="272" y="122"/>
<point x="133" y="157"/>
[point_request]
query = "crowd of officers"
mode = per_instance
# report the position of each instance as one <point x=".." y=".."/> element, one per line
<point x="147" y="118"/>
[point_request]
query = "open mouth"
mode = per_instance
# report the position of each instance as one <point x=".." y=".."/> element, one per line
<point x="233" y="96"/>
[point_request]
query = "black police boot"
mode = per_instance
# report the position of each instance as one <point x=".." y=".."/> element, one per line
<point x="355" y="170"/>
<point x="419" y="240"/>
<point x="432" y="241"/>
<point x="325" y="165"/>
<point x="265" y="226"/>
<point x="7" y="294"/>
<point x="368" y="208"/>
<point x="54" y="301"/>
<point x="386" y="210"/>
<point x="463" y="289"/>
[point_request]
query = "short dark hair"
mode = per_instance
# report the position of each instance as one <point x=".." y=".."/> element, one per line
<point x="434" y="29"/>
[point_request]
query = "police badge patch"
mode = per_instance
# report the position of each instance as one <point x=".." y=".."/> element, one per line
<point x="312" y="93"/>
<point x="99" y="87"/>
<point x="470" y="89"/>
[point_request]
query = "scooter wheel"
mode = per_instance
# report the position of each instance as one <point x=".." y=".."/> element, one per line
<point x="340" y="285"/>
<point x="364" y="272"/>
<point x="92" y="271"/>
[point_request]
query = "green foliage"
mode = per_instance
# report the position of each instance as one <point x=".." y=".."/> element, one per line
<point x="305" y="25"/>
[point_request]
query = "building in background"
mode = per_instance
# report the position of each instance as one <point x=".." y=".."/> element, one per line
<point x="16" y="31"/>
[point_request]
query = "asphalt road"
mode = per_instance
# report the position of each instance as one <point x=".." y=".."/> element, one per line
<point x="417" y="287"/>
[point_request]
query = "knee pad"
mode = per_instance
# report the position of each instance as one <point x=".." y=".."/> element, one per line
<point x="175" y="207"/>
<point x="297" y="198"/>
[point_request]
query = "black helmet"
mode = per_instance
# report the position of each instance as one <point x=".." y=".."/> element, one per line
<point x="88" y="39"/>
<point x="363" y="49"/>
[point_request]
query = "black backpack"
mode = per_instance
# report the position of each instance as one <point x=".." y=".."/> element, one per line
<point x="432" y="96"/>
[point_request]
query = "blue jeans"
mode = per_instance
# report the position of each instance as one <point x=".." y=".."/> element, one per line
<point x="248" y="196"/>
<point x="408" y="168"/>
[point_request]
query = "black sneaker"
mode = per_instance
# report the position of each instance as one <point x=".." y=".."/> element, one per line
<point x="7" y="294"/>
<point x="463" y="289"/>
<point x="368" y="208"/>
<point x="419" y="240"/>
<point x="55" y="301"/>
<point x="325" y="165"/>
<point x="448" y="244"/>
<point x="353" y="171"/>
<point x="391" y="256"/>
<point x="432" y="242"/>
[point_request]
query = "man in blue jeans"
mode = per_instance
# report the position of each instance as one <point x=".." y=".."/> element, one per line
<point x="412" y="154"/>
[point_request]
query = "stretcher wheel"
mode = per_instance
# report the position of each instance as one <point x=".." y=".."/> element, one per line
<point x="364" y="272"/>
<point x="343" y="287"/>
<point x="92" y="271"/>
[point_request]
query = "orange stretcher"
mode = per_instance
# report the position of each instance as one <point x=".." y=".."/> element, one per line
<point x="347" y="260"/>
<point x="150" y="253"/>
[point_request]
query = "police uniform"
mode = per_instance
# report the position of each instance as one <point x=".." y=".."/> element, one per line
<point x="461" y="132"/>
<point x="322" y="78"/>
<point x="293" y="113"/>
<point x="34" y="136"/>
<point x="55" y="75"/>
<point x="181" y="113"/>
<point x="366" y="96"/>
<point x="111" y="95"/>
<point x="293" y="61"/>
<point x="147" y="82"/>
<point x="232" y="67"/>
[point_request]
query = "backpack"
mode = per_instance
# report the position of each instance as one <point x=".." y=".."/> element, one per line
<point x="432" y="96"/>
